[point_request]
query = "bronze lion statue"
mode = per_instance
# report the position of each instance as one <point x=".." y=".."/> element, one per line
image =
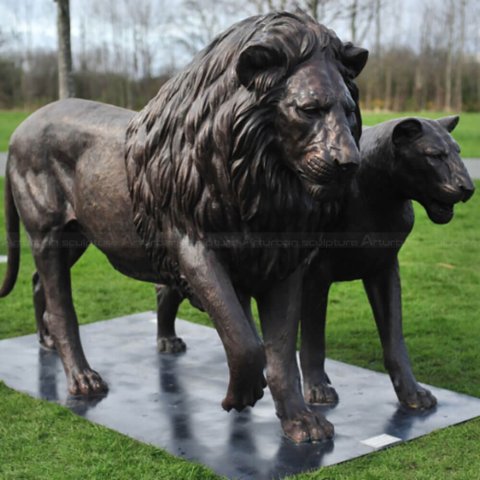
<point x="402" y="160"/>
<point x="258" y="135"/>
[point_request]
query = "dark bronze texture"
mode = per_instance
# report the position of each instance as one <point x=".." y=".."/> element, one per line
<point x="402" y="160"/>
<point x="257" y="135"/>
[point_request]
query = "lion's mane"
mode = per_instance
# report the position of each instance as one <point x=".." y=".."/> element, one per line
<point x="201" y="156"/>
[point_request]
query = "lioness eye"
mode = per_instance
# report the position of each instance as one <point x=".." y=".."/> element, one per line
<point x="436" y="155"/>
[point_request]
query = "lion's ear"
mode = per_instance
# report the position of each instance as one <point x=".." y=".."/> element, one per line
<point x="354" y="58"/>
<point x="449" y="123"/>
<point x="260" y="67"/>
<point x="406" y="131"/>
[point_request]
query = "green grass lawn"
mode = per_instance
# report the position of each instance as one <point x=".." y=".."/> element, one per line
<point x="9" y="119"/>
<point x="467" y="132"/>
<point x="441" y="276"/>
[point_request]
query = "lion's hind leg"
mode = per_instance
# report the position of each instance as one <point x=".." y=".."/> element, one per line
<point x="52" y="259"/>
<point x="168" y="301"/>
<point x="77" y="246"/>
<point x="44" y="337"/>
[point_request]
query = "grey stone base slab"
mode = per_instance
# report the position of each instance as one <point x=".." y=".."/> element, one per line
<point x="173" y="402"/>
<point x="473" y="167"/>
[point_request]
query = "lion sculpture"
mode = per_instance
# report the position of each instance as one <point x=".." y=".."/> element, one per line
<point x="259" y="134"/>
<point x="402" y="160"/>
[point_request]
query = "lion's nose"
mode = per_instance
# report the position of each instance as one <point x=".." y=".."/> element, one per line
<point x="347" y="167"/>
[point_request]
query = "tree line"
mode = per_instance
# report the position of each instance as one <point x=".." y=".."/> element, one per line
<point x="423" y="53"/>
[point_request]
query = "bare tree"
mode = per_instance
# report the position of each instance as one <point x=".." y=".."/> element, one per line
<point x="360" y="14"/>
<point x="422" y="61"/>
<point x="325" y="11"/>
<point x="3" y="38"/>
<point x="460" y="54"/>
<point x="373" y="85"/>
<point x="277" y="5"/>
<point x="65" y="74"/>
<point x="450" y="24"/>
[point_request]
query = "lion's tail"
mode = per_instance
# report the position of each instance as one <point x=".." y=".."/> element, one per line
<point x="13" y="241"/>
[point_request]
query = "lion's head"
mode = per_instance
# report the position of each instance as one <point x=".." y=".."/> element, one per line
<point x="303" y="82"/>
<point x="262" y="127"/>
<point x="428" y="164"/>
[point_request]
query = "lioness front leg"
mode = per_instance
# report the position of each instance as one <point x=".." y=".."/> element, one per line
<point x="316" y="384"/>
<point x="384" y="293"/>
<point x="210" y="282"/>
<point x="279" y="310"/>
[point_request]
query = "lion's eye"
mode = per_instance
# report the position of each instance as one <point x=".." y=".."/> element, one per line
<point x="311" y="110"/>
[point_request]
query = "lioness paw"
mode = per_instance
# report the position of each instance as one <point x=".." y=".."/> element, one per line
<point x="420" y="399"/>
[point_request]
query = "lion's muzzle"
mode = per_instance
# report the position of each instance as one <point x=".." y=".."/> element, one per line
<point x="331" y="167"/>
<point x="346" y="162"/>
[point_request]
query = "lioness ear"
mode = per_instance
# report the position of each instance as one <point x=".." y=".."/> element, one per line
<point x="261" y="67"/>
<point x="354" y="58"/>
<point x="406" y="131"/>
<point x="449" y="123"/>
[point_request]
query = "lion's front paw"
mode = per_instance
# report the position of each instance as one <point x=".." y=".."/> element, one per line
<point x="247" y="380"/>
<point x="246" y="393"/>
<point x="308" y="426"/>
<point x="171" y="345"/>
<point x="86" y="382"/>
<point x="418" y="398"/>
<point x="320" y="394"/>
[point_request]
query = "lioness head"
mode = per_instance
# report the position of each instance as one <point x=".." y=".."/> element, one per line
<point x="429" y="167"/>
<point x="307" y="82"/>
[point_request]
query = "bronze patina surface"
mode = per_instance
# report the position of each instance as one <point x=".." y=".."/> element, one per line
<point x="257" y="135"/>
<point x="402" y="160"/>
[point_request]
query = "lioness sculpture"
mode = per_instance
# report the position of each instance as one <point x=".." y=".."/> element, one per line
<point x="402" y="160"/>
<point x="258" y="134"/>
